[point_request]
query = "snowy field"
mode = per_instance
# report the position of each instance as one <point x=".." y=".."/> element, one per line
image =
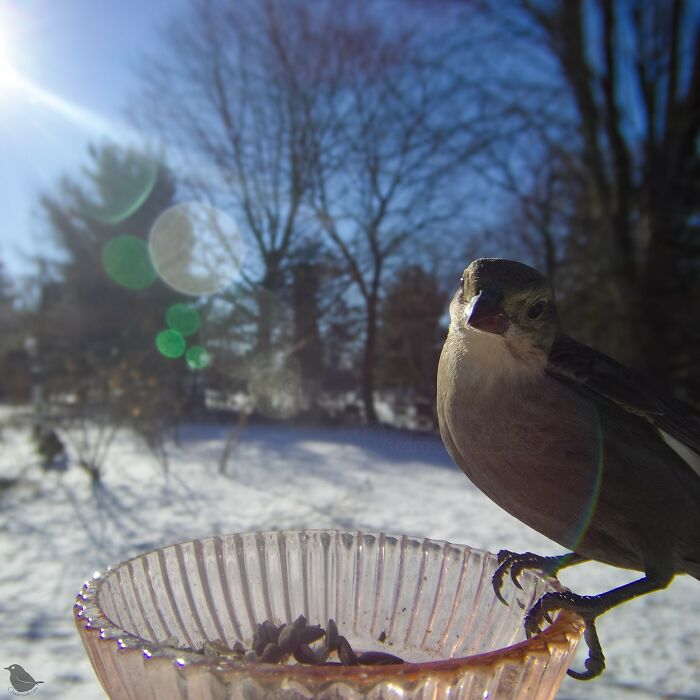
<point x="55" y="531"/>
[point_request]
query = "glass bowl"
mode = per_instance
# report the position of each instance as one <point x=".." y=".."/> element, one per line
<point x="149" y="624"/>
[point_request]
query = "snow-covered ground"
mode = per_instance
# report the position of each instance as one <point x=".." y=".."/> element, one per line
<point x="55" y="530"/>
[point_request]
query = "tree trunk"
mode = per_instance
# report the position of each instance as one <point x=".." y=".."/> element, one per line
<point x="267" y="306"/>
<point x="368" y="362"/>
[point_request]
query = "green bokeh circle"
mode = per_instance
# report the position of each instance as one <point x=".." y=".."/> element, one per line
<point x="170" y="343"/>
<point x="126" y="260"/>
<point x="197" y="357"/>
<point x="182" y="318"/>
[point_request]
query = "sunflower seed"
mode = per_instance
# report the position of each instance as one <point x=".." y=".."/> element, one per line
<point x="304" y="654"/>
<point x="272" y="632"/>
<point x="259" y="639"/>
<point x="310" y="634"/>
<point x="345" y="653"/>
<point x="272" y="654"/>
<point x="378" y="658"/>
<point x="321" y="653"/>
<point x="289" y="637"/>
<point x="332" y="636"/>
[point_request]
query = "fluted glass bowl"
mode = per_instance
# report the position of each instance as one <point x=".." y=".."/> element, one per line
<point x="148" y="624"/>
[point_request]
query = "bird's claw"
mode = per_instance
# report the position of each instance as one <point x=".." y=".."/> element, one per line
<point x="542" y="609"/>
<point x="507" y="560"/>
<point x="504" y="559"/>
<point x="497" y="591"/>
<point x="595" y="662"/>
<point x="516" y="563"/>
<point x="538" y="613"/>
<point x="587" y="608"/>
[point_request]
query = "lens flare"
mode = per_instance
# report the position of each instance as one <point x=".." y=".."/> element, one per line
<point x="231" y="328"/>
<point x="275" y="386"/>
<point x="125" y="259"/>
<point x="182" y="318"/>
<point x="196" y="248"/>
<point x="129" y="185"/>
<point x="170" y="343"/>
<point x="197" y="357"/>
<point x="588" y="508"/>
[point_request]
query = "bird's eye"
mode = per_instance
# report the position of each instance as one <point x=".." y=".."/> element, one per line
<point x="536" y="310"/>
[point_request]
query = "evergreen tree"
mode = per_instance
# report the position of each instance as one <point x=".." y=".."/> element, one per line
<point x="11" y="351"/>
<point x="98" y="322"/>
<point x="411" y="332"/>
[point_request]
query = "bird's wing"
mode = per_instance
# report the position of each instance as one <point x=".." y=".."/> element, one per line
<point x="591" y="373"/>
<point x="21" y="675"/>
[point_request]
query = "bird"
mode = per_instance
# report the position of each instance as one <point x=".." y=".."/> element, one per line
<point x="20" y="679"/>
<point x="569" y="441"/>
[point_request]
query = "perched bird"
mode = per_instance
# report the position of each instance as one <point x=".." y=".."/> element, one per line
<point x="20" y="679"/>
<point x="568" y="441"/>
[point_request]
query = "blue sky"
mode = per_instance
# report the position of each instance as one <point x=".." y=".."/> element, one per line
<point x="71" y="64"/>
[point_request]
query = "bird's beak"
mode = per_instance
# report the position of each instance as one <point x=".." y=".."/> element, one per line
<point x="484" y="313"/>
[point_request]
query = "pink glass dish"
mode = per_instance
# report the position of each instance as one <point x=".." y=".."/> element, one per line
<point x="430" y="602"/>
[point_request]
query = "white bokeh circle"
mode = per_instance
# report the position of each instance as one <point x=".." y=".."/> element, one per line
<point x="196" y="248"/>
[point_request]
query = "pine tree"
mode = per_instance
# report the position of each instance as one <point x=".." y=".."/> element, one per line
<point x="98" y="321"/>
<point x="411" y="333"/>
<point x="12" y="355"/>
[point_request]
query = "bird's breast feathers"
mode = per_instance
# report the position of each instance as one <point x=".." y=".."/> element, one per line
<point x="513" y="430"/>
<point x="483" y="361"/>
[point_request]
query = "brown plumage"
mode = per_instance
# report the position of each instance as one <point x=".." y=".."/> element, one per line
<point x="565" y="439"/>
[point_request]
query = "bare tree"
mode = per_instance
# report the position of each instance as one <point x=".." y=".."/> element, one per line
<point x="324" y="117"/>
<point x="215" y="97"/>
<point x="395" y="125"/>
<point x="628" y="117"/>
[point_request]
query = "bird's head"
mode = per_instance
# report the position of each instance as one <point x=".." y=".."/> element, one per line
<point x="509" y="300"/>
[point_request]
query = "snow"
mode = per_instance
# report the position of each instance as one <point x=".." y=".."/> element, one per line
<point x="56" y="530"/>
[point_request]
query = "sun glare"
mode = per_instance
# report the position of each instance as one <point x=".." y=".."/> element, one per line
<point x="9" y="78"/>
<point x="19" y="91"/>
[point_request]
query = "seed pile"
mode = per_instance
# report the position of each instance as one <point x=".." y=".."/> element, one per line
<point x="307" y="644"/>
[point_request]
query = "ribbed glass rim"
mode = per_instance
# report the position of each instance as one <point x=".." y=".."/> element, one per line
<point x="566" y="628"/>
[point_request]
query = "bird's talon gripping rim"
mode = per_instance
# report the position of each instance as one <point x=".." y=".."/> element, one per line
<point x="497" y="585"/>
<point x="540" y="611"/>
<point x="504" y="559"/>
<point x="514" y="574"/>
<point x="502" y="555"/>
<point x="595" y="663"/>
<point x="530" y="623"/>
<point x="532" y="631"/>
